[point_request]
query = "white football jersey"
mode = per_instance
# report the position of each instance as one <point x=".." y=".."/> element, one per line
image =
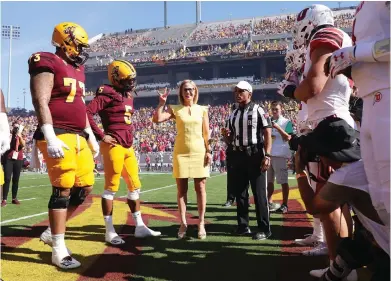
<point x="371" y="24"/>
<point x="334" y="98"/>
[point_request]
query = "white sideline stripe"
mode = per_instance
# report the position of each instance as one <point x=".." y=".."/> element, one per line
<point x="23" y="218"/>
<point x="28" y="199"/>
<point x="163" y="187"/>
<point x="31" y="186"/>
<point x="44" y="213"/>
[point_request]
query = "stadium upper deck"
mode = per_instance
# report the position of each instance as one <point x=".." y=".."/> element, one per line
<point x="175" y="37"/>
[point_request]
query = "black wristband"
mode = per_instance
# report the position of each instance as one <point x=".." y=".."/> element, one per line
<point x="268" y="155"/>
<point x="289" y="91"/>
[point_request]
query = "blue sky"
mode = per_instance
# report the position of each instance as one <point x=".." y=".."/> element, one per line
<point x="37" y="20"/>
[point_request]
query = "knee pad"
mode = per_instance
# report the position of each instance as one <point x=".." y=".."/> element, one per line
<point x="109" y="195"/>
<point x="58" y="202"/>
<point x="134" y="195"/>
<point x="77" y="198"/>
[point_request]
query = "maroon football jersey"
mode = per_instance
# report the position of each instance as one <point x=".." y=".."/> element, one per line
<point x="115" y="111"/>
<point x="67" y="101"/>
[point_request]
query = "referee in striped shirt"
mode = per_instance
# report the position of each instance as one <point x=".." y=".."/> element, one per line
<point x="249" y="133"/>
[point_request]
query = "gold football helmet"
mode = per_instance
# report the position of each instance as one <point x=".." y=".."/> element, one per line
<point x="71" y="38"/>
<point x="122" y="75"/>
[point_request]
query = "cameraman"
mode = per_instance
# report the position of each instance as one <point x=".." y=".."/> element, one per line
<point x="341" y="163"/>
<point x="13" y="161"/>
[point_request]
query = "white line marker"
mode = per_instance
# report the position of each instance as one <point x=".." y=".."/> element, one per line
<point x="28" y="199"/>
<point x="23" y="218"/>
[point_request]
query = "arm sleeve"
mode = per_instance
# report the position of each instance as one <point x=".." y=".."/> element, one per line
<point x="97" y="104"/>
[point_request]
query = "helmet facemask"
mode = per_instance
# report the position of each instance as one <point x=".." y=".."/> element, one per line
<point x="128" y="85"/>
<point x="75" y="49"/>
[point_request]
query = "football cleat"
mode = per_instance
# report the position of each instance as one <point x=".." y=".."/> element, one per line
<point x="64" y="262"/>
<point x="114" y="239"/>
<point x="310" y="240"/>
<point x="320" y="250"/>
<point x="143" y="231"/>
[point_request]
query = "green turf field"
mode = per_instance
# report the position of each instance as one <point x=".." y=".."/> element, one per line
<point x="222" y="256"/>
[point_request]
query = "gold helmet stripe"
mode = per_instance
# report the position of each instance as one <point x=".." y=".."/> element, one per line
<point x="128" y="64"/>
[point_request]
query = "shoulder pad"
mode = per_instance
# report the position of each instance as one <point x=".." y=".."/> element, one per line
<point x="108" y="91"/>
<point x="42" y="61"/>
<point x="330" y="37"/>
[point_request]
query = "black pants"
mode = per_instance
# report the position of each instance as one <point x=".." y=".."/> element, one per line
<point x="230" y="179"/>
<point x="247" y="168"/>
<point x="11" y="168"/>
<point x="230" y="182"/>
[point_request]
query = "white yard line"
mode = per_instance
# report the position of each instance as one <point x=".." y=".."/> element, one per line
<point x="40" y="214"/>
<point x="23" y="218"/>
<point x="28" y="199"/>
<point x="32" y="186"/>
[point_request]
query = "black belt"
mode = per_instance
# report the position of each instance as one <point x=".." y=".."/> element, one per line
<point x="250" y="149"/>
<point x="38" y="135"/>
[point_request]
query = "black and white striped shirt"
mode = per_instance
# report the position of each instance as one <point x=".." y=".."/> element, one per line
<point x="247" y="124"/>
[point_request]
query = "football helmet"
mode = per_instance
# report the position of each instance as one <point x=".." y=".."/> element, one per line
<point x="309" y="19"/>
<point x="71" y="38"/>
<point x="122" y="75"/>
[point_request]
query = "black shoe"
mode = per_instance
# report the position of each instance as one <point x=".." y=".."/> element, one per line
<point x="283" y="209"/>
<point x="227" y="204"/>
<point x="262" y="235"/>
<point x="243" y="231"/>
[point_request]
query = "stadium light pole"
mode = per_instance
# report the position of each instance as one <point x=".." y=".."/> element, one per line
<point x="24" y="98"/>
<point x="10" y="32"/>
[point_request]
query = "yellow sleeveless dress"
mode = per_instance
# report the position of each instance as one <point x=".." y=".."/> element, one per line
<point x="189" y="148"/>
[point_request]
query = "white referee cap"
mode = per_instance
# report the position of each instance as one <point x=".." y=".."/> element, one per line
<point x="244" y="85"/>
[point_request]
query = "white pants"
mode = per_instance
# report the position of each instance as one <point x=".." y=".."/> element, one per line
<point x="353" y="175"/>
<point x="375" y="150"/>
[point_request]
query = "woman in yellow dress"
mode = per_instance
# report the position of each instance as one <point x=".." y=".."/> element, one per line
<point x="192" y="155"/>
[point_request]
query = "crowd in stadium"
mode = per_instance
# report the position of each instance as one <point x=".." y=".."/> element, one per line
<point x="263" y="26"/>
<point x="150" y="137"/>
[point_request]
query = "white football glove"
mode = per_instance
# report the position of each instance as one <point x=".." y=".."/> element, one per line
<point x="282" y="86"/>
<point x="93" y="143"/>
<point x="55" y="146"/>
<point x="5" y="140"/>
<point x="340" y="60"/>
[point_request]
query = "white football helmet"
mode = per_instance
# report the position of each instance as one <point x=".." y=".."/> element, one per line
<point x="308" y="19"/>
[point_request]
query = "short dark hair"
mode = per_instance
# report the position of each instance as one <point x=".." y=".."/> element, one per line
<point x="276" y="102"/>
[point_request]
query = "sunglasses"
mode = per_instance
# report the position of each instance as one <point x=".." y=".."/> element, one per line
<point x="189" y="89"/>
